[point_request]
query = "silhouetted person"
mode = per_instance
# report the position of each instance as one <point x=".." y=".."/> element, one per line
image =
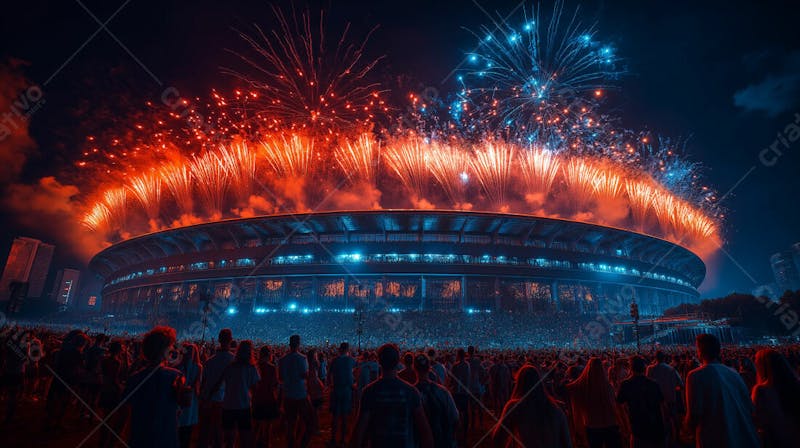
<point x="459" y="386"/>
<point x="670" y="382"/>
<point x="776" y="397"/>
<point x="440" y="409"/>
<point x="192" y="371"/>
<point x="293" y="373"/>
<point x="341" y="380"/>
<point x="391" y="413"/>
<point x="531" y="416"/>
<point x="644" y="400"/>
<point x="212" y="391"/>
<point x="240" y="377"/>
<point x="593" y="405"/>
<point x="265" y="400"/>
<point x="154" y="394"/>
<point x="718" y="405"/>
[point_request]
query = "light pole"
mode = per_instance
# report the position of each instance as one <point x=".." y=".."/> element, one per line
<point x="359" y="318"/>
<point x="635" y="316"/>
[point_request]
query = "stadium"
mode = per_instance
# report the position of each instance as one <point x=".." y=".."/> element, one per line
<point x="394" y="260"/>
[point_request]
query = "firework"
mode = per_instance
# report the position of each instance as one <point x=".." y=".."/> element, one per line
<point x="97" y="219"/>
<point x="240" y="163"/>
<point x="528" y="110"/>
<point x="537" y="76"/>
<point x="450" y="167"/>
<point x="147" y="189"/>
<point x="665" y="207"/>
<point x="408" y="159"/>
<point x="289" y="157"/>
<point x="179" y="181"/>
<point x="640" y="196"/>
<point x="300" y="83"/>
<point x="579" y="176"/>
<point x="493" y="166"/>
<point x="115" y="201"/>
<point x="607" y="184"/>
<point x="359" y="159"/>
<point x="539" y="168"/>
<point x="213" y="180"/>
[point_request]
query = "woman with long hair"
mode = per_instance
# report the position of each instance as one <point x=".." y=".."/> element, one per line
<point x="240" y="377"/>
<point x="192" y="371"/>
<point x="594" y="407"/>
<point x="777" y="400"/>
<point x="531" y="418"/>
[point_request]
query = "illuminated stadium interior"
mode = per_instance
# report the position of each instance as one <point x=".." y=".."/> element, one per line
<point x="394" y="260"/>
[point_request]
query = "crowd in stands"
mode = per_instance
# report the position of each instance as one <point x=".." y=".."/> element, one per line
<point x="499" y="329"/>
<point x="155" y="390"/>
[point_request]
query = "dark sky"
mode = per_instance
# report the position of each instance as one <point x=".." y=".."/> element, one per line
<point x="724" y="74"/>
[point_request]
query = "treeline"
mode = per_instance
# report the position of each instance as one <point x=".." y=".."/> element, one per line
<point x="760" y="314"/>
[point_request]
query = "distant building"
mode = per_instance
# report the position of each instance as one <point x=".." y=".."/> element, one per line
<point x="28" y="262"/>
<point x="65" y="288"/>
<point x="785" y="269"/>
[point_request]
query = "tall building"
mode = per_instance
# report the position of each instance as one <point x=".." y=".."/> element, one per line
<point x="28" y="262"/>
<point x="40" y="269"/>
<point x="785" y="269"/>
<point x="66" y="286"/>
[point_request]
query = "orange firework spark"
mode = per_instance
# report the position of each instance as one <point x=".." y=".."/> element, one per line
<point x="579" y="175"/>
<point x="179" y="180"/>
<point x="241" y="164"/>
<point x="607" y="184"/>
<point x="147" y="189"/>
<point x="449" y="166"/>
<point x="302" y="84"/>
<point x="640" y="198"/>
<point x="290" y="157"/>
<point x="665" y="207"/>
<point x="415" y="162"/>
<point x="212" y="180"/>
<point x="359" y="159"/>
<point x="116" y="202"/>
<point x="539" y="169"/>
<point x="97" y="218"/>
<point x="408" y="159"/>
<point x="493" y="166"/>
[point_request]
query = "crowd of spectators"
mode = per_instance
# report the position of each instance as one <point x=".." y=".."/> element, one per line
<point x="154" y="390"/>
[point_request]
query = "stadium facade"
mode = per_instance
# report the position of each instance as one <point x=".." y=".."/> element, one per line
<point x="395" y="260"/>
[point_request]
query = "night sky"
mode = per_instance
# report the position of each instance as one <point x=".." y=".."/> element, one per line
<point x="724" y="75"/>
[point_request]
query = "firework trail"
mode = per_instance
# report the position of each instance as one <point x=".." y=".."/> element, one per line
<point x="115" y="201"/>
<point x="579" y="176"/>
<point x="289" y="157"/>
<point x="147" y="189"/>
<point x="640" y="196"/>
<point x="98" y="218"/>
<point x="450" y="167"/>
<point x="359" y="159"/>
<point x="302" y="84"/>
<point x="179" y="181"/>
<point x="539" y="169"/>
<point x="608" y="184"/>
<point x="408" y="159"/>
<point x="241" y="164"/>
<point x="492" y="166"/>
<point x="213" y="180"/>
